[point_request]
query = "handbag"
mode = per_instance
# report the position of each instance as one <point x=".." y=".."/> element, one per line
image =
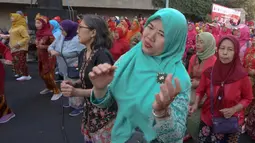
<point x="221" y="125"/>
<point x="72" y="72"/>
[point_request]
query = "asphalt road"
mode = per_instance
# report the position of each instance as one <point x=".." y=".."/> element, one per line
<point x="39" y="120"/>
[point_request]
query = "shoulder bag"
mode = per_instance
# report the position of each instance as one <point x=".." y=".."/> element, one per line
<point x="72" y="72"/>
<point x="221" y="125"/>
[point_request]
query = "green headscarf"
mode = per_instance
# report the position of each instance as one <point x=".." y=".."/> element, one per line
<point x="135" y="82"/>
<point x="209" y="45"/>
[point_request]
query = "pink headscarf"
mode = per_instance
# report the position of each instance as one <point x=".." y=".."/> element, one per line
<point x="244" y="34"/>
<point x="243" y="39"/>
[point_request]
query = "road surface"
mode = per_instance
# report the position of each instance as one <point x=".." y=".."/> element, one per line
<point x="38" y="119"/>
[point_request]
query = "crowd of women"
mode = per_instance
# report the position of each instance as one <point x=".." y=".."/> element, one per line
<point x="129" y="78"/>
<point x="212" y="72"/>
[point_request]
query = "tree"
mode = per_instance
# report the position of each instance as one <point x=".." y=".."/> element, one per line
<point x="230" y="3"/>
<point x="249" y="7"/>
<point x="200" y="8"/>
<point x="191" y="8"/>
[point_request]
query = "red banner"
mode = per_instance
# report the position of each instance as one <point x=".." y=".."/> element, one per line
<point x="224" y="14"/>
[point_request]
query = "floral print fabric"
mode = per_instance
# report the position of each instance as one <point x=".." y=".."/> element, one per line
<point x="207" y="136"/>
<point x="101" y="136"/>
<point x="20" y="63"/>
<point x="250" y="123"/>
<point x="96" y="122"/>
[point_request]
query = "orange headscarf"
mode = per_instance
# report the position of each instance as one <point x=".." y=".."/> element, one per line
<point x="18" y="20"/>
<point x="136" y="28"/>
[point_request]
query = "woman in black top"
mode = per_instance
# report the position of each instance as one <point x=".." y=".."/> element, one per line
<point x="96" y="122"/>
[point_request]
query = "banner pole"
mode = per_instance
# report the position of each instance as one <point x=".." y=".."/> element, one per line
<point x="167" y="3"/>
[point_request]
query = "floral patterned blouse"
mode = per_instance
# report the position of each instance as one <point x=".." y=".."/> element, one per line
<point x="94" y="118"/>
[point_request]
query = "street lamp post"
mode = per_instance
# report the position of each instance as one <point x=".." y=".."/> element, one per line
<point x="167" y="3"/>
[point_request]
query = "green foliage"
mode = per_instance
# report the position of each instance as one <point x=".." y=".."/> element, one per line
<point x="231" y="3"/>
<point x="158" y="3"/>
<point x="208" y="18"/>
<point x="199" y="8"/>
<point x="250" y="9"/>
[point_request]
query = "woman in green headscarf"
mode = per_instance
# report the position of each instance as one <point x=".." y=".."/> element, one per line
<point x="203" y="59"/>
<point x="149" y="83"/>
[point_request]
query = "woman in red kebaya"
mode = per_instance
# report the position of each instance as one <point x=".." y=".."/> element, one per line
<point x="232" y="92"/>
<point x="120" y="45"/>
<point x="46" y="63"/>
<point x="203" y="59"/>
<point x="5" y="112"/>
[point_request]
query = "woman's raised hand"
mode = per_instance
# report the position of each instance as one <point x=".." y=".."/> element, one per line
<point x="166" y="95"/>
<point x="102" y="75"/>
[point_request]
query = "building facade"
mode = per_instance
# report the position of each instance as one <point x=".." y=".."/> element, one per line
<point x="129" y="8"/>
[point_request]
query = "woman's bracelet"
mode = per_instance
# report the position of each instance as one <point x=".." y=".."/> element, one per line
<point x="164" y="114"/>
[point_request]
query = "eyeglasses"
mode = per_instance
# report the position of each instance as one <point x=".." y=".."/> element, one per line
<point x="85" y="27"/>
